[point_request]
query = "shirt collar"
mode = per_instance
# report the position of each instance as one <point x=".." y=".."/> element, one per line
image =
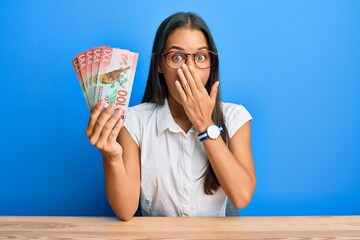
<point x="166" y="121"/>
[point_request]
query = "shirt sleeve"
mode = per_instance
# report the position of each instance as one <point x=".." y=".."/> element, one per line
<point x="235" y="116"/>
<point x="132" y="124"/>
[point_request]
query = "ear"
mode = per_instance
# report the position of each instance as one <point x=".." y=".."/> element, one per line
<point x="159" y="69"/>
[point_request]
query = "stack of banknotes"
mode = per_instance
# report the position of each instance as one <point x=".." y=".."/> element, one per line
<point x="106" y="73"/>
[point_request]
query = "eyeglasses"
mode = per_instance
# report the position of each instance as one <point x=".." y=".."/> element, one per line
<point x="203" y="59"/>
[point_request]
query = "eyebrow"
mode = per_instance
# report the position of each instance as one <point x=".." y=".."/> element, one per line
<point x="182" y="49"/>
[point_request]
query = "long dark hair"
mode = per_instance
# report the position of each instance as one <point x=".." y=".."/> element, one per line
<point x="156" y="89"/>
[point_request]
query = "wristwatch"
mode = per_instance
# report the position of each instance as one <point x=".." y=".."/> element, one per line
<point x="212" y="132"/>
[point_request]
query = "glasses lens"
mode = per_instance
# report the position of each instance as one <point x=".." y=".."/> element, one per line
<point x="203" y="59"/>
<point x="175" y="59"/>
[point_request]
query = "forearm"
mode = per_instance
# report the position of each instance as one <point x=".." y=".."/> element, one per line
<point x="122" y="193"/>
<point x="233" y="177"/>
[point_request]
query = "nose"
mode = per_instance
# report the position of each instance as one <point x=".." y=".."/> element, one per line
<point x="190" y="61"/>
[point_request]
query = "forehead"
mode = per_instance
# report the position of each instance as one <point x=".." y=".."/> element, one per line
<point x="186" y="38"/>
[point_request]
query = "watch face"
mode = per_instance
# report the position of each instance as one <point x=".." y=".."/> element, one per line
<point x="213" y="131"/>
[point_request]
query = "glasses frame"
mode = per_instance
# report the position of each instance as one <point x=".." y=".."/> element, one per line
<point x="214" y="54"/>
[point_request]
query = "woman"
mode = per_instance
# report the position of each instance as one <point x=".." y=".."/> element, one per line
<point x="169" y="151"/>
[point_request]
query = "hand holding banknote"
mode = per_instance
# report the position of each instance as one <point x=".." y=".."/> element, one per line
<point x="106" y="77"/>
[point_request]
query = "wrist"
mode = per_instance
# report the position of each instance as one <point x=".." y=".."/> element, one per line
<point x="111" y="160"/>
<point x="202" y="126"/>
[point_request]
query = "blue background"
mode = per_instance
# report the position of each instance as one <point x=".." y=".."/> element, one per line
<point x="295" y="65"/>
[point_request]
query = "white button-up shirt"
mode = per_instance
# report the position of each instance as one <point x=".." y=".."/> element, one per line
<point x="173" y="161"/>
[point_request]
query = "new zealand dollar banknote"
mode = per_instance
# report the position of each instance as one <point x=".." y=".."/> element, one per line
<point x="106" y="73"/>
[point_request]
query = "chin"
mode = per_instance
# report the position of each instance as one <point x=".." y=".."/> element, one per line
<point x="175" y="99"/>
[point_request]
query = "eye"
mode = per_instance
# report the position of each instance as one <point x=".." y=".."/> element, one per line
<point x="201" y="57"/>
<point x="177" y="57"/>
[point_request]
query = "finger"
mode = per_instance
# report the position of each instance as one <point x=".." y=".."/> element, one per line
<point x="108" y="128"/>
<point x="110" y="125"/>
<point x="197" y="81"/>
<point x="94" y="117"/>
<point x="184" y="82"/>
<point x="116" y="130"/>
<point x="181" y="91"/>
<point x="99" y="125"/>
<point x="190" y="77"/>
<point x="214" y="91"/>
